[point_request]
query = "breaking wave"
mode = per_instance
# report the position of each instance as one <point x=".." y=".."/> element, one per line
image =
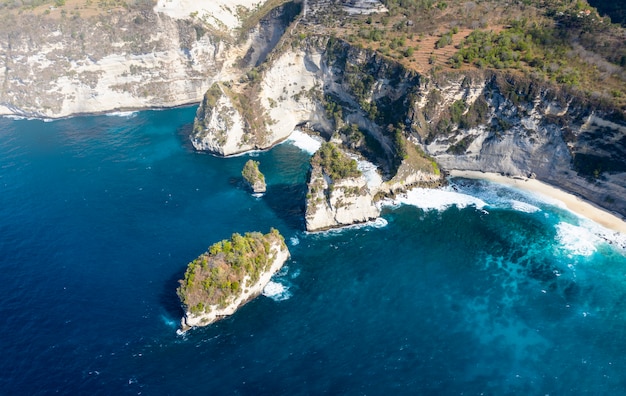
<point x="276" y="291"/>
<point x="304" y="141"/>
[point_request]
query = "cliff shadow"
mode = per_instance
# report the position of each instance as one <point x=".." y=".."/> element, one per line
<point x="183" y="134"/>
<point x="288" y="202"/>
<point x="168" y="297"/>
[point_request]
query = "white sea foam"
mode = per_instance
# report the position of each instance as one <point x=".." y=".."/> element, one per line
<point x="295" y="274"/>
<point x="294" y="241"/>
<point x="502" y="196"/>
<point x="437" y="199"/>
<point x="15" y="117"/>
<point x="125" y="114"/>
<point x="524" y="207"/>
<point x="611" y="237"/>
<point x="579" y="241"/>
<point x="276" y="291"/>
<point x="283" y="271"/>
<point x="169" y="321"/>
<point x="304" y="142"/>
<point x="258" y="195"/>
<point x="546" y="199"/>
<point x="378" y="222"/>
<point x="251" y="153"/>
<point x="18" y="118"/>
<point x="370" y="172"/>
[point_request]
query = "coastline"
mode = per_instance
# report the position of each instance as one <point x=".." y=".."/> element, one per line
<point x="572" y="202"/>
<point x="112" y="111"/>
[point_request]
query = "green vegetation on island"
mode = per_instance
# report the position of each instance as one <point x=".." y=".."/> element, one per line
<point x="335" y="163"/>
<point x="217" y="276"/>
<point x="253" y="176"/>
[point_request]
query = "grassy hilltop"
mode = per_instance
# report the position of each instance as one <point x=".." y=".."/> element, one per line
<point x="559" y="41"/>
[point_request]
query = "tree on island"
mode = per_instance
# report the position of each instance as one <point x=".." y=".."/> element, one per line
<point x="227" y="269"/>
<point x="254" y="179"/>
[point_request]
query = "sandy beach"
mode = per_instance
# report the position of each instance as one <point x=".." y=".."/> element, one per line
<point x="573" y="203"/>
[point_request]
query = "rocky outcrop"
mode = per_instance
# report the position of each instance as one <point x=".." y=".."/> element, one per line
<point x="338" y="193"/>
<point x="219" y="126"/>
<point x="256" y="109"/>
<point x="253" y="178"/>
<point x="337" y="204"/>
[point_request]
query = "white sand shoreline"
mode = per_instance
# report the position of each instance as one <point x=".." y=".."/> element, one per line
<point x="573" y="203"/>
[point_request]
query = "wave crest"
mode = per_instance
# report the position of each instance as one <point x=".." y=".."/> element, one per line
<point x="276" y="291"/>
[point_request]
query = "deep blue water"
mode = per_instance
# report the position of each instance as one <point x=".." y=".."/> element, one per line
<point x="99" y="216"/>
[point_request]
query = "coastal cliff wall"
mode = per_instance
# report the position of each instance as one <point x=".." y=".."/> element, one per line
<point x="62" y="61"/>
<point x="256" y="87"/>
<point x="476" y="120"/>
<point x="513" y="125"/>
<point x="55" y="67"/>
<point x="268" y="104"/>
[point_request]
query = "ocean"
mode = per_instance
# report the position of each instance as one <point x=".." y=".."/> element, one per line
<point x="474" y="289"/>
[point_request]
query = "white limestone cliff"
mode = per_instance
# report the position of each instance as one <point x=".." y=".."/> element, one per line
<point x="117" y="60"/>
<point x="347" y="202"/>
<point x="287" y="95"/>
<point x="340" y="202"/>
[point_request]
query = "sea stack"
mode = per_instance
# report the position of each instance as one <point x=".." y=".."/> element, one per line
<point x="252" y="176"/>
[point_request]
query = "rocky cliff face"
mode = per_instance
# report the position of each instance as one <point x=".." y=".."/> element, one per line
<point x="336" y="204"/>
<point x="92" y="59"/>
<point x="219" y="126"/>
<point x="59" y="66"/>
<point x="266" y="111"/>
<point x="253" y="93"/>
<point x="296" y="84"/>
<point x="336" y="198"/>
<point x="478" y="120"/>
<point x="512" y="125"/>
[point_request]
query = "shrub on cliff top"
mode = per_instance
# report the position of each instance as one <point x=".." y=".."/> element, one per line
<point x="251" y="172"/>
<point x="335" y="163"/>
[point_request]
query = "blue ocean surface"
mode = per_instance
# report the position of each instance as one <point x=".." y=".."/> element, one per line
<point x="498" y="293"/>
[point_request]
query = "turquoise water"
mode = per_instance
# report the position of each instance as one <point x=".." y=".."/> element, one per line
<point x="100" y="215"/>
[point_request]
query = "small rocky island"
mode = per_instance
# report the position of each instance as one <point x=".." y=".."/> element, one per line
<point x="231" y="273"/>
<point x="253" y="178"/>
